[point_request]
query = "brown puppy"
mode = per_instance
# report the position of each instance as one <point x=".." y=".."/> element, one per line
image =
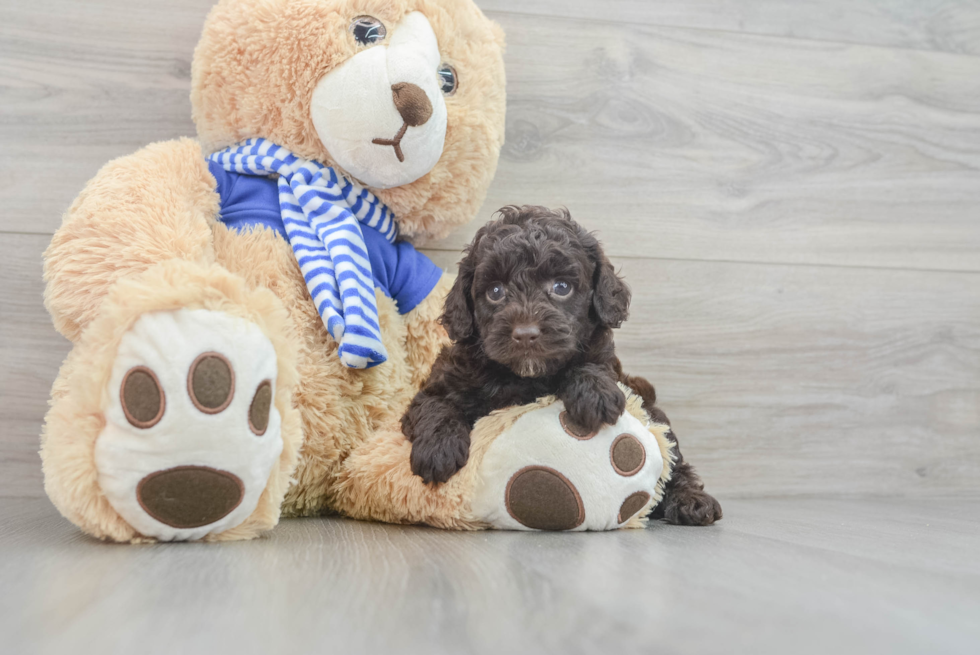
<point x="531" y="314"/>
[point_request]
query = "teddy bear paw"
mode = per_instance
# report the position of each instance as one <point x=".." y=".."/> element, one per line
<point x="191" y="430"/>
<point x="545" y="473"/>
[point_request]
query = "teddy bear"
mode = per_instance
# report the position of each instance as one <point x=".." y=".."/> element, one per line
<point x="250" y="319"/>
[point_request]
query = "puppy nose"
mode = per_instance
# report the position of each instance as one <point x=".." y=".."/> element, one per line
<point x="525" y="334"/>
<point x="412" y="103"/>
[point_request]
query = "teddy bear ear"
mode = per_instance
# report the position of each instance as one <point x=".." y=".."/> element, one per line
<point x="498" y="35"/>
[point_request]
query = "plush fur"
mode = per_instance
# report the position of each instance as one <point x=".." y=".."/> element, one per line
<point x="377" y="481"/>
<point x="116" y="228"/>
<point x="531" y="314"/>
<point x="75" y="419"/>
<point x="143" y="236"/>
<point x="266" y="91"/>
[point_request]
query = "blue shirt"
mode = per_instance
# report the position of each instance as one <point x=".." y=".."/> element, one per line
<point x="399" y="270"/>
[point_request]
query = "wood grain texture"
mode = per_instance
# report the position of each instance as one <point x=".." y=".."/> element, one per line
<point x="930" y="25"/>
<point x="797" y="210"/>
<point x="704" y="145"/>
<point x="811" y="380"/>
<point x="779" y="379"/>
<point x="776" y="576"/>
<point x="784" y="209"/>
<point x="31" y="351"/>
<point x="20" y="462"/>
<point x="677" y="143"/>
<point x="82" y="83"/>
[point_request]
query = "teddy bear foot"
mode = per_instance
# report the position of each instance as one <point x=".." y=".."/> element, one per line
<point x="191" y="431"/>
<point x="542" y="473"/>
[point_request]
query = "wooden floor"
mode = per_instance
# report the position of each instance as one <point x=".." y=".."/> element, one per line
<point x="776" y="576"/>
<point x="792" y="189"/>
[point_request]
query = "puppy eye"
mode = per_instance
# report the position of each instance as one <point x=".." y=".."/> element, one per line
<point x="561" y="288"/>
<point x="448" y="79"/>
<point x="496" y="293"/>
<point x="367" y="30"/>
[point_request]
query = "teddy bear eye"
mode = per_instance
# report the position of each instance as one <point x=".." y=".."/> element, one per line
<point x="561" y="288"/>
<point x="367" y="30"/>
<point x="448" y="79"/>
<point x="496" y="293"/>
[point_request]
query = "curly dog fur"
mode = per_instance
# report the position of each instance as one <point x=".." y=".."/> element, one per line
<point x="531" y="314"/>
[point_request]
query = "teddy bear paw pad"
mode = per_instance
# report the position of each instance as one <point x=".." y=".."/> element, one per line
<point x="542" y="498"/>
<point x="191" y="431"/>
<point x="544" y="473"/>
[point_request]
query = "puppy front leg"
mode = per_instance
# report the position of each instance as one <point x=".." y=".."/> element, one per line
<point x="591" y="396"/>
<point x="685" y="500"/>
<point x="440" y="436"/>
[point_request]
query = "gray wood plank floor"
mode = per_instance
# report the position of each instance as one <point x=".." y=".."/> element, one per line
<point x="776" y="576"/>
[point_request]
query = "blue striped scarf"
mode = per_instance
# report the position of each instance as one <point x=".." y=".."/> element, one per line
<point x="322" y="214"/>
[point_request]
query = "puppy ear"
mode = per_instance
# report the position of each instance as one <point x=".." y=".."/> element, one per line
<point x="457" y="316"/>
<point x="610" y="295"/>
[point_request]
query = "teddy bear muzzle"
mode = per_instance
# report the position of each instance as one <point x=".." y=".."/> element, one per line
<point x="382" y="113"/>
<point x="414" y="108"/>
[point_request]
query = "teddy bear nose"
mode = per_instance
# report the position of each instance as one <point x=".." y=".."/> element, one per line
<point x="412" y="103"/>
<point x="525" y="334"/>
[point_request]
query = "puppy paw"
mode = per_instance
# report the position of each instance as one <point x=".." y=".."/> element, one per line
<point x="589" y="407"/>
<point x="192" y="432"/>
<point x="692" y="507"/>
<point x="438" y="459"/>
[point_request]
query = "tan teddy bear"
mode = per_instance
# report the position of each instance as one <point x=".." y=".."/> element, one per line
<point x="250" y="320"/>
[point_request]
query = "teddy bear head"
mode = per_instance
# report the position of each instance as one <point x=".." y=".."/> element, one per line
<point x="406" y="97"/>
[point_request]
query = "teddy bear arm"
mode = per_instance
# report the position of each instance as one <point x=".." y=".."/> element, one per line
<point x="425" y="336"/>
<point x="139" y="210"/>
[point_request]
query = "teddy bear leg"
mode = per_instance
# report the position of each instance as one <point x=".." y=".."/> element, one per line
<point x="172" y="417"/>
<point x="543" y="473"/>
<point x="154" y="205"/>
<point x="527" y="470"/>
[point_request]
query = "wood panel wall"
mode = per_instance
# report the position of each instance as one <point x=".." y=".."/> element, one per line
<point x="792" y="189"/>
